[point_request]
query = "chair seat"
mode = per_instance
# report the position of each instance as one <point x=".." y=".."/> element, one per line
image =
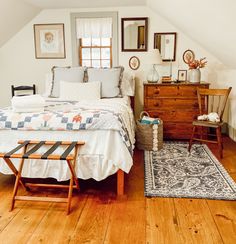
<point x="207" y="123"/>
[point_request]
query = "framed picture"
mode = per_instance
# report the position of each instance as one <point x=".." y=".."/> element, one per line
<point x="49" y="41"/>
<point x="182" y="75"/>
<point x="134" y="63"/>
<point x="188" y="56"/>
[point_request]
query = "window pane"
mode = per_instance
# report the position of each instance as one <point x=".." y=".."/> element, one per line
<point x="105" y="53"/>
<point x="106" y="63"/>
<point x="86" y="41"/>
<point x="95" y="53"/>
<point x="96" y="42"/>
<point x="86" y="53"/>
<point x="106" y="41"/>
<point x="96" y="63"/>
<point x="86" y="63"/>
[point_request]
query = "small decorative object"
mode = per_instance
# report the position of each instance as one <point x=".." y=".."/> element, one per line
<point x="188" y="56"/>
<point x="194" y="69"/>
<point x="49" y="41"/>
<point x="182" y="75"/>
<point x="153" y="76"/>
<point x="134" y="63"/>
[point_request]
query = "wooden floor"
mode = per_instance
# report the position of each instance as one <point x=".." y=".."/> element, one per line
<point x="98" y="217"/>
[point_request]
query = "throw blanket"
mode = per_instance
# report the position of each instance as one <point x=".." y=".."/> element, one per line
<point x="61" y="116"/>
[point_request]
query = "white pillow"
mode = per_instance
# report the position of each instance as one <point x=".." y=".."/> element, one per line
<point x="110" y="79"/>
<point x="80" y="91"/>
<point x="71" y="74"/>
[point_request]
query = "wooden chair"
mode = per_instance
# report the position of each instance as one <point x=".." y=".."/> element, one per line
<point x="15" y="89"/>
<point x="210" y="100"/>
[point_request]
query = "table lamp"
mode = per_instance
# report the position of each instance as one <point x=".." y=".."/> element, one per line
<point x="153" y="76"/>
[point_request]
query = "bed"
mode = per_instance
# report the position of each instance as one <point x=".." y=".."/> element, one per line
<point x="106" y="126"/>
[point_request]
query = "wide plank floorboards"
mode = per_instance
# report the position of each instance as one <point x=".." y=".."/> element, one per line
<point x="98" y="217"/>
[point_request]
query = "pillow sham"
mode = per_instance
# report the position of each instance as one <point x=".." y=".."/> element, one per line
<point x="110" y="80"/>
<point x="70" y="74"/>
<point x="80" y="91"/>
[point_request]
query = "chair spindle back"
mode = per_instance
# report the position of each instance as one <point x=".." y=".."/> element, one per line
<point x="212" y="100"/>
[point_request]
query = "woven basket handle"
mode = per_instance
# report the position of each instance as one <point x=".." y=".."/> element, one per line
<point x="143" y="113"/>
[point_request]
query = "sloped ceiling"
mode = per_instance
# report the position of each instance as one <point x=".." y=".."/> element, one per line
<point x="211" y="23"/>
<point x="84" y="3"/>
<point x="14" y="14"/>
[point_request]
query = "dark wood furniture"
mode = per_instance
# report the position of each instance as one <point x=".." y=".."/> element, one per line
<point x="29" y="153"/>
<point x="176" y="104"/>
<point x="15" y="89"/>
<point x="215" y="100"/>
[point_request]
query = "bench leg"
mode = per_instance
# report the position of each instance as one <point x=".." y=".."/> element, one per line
<point x="70" y="195"/>
<point x="73" y="177"/>
<point x="15" y="171"/>
<point x="120" y="182"/>
<point x="18" y="180"/>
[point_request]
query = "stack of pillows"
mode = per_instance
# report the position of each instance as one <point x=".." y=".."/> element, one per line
<point x="78" y="83"/>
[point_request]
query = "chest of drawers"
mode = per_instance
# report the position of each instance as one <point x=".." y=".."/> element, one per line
<point x="175" y="104"/>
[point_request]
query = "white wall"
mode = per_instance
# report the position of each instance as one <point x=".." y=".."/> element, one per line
<point x="19" y="66"/>
<point x="210" y="23"/>
<point x="14" y="15"/>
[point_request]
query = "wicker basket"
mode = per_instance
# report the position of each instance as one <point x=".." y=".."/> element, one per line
<point x="149" y="136"/>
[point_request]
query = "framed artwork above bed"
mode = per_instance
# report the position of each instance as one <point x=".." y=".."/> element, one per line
<point x="49" y="41"/>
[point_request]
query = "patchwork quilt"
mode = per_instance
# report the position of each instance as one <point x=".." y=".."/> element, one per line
<point x="74" y="116"/>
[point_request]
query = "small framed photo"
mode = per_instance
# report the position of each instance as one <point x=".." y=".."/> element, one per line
<point x="182" y="75"/>
<point x="188" y="56"/>
<point x="134" y="63"/>
<point x="49" y="41"/>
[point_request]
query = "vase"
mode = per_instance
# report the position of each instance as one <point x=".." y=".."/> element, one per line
<point x="194" y="75"/>
<point x="153" y="76"/>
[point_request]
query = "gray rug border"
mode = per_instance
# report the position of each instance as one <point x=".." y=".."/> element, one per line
<point x="222" y="170"/>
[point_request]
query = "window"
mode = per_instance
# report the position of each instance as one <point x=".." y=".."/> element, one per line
<point x="94" y="37"/>
<point x="95" y="52"/>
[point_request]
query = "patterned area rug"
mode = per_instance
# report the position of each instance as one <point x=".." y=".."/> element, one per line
<point x="174" y="172"/>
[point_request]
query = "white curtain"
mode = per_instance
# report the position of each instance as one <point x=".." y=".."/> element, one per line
<point x="94" y="27"/>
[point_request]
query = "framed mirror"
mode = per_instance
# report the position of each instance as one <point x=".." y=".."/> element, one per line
<point x="134" y="34"/>
<point x="166" y="43"/>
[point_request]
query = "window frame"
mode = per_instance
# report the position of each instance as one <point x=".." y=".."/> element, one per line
<point x="91" y="47"/>
<point x="75" y="42"/>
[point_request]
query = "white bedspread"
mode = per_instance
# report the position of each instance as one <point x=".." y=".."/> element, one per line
<point x="103" y="154"/>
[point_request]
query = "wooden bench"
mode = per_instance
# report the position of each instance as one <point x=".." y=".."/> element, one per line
<point x="31" y="154"/>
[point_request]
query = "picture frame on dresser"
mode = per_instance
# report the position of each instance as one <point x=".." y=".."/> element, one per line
<point x="182" y="75"/>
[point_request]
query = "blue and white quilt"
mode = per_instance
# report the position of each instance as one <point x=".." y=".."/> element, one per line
<point x="74" y="116"/>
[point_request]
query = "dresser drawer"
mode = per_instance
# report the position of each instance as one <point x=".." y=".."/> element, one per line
<point x="163" y="91"/>
<point x="171" y="103"/>
<point x="174" y="115"/>
<point x="187" y="91"/>
<point x="172" y="90"/>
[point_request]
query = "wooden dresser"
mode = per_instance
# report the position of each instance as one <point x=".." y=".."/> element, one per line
<point x="175" y="104"/>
